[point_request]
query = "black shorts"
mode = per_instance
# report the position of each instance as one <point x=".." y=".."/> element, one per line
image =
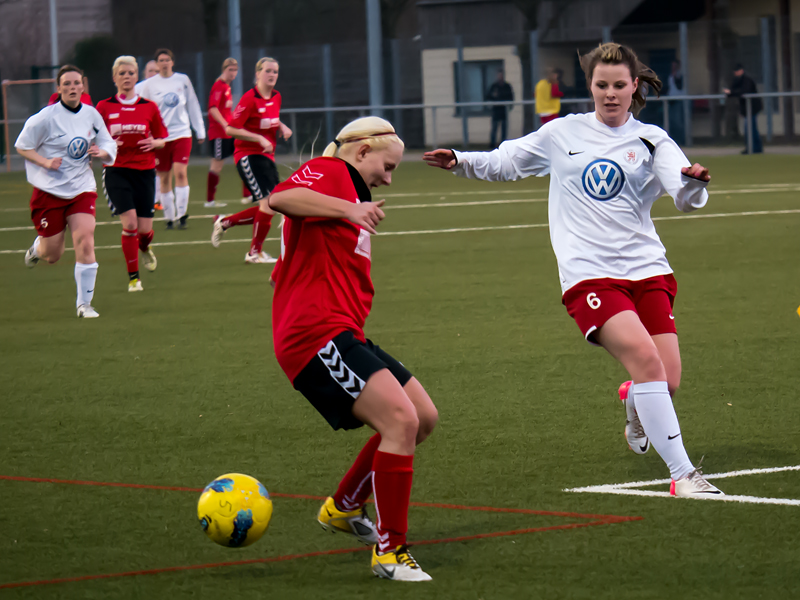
<point x="259" y="174"/>
<point x="222" y="147"/>
<point x="128" y="189"/>
<point x="334" y="378"/>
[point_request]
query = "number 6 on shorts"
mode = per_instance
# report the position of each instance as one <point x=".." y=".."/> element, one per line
<point x="593" y="301"/>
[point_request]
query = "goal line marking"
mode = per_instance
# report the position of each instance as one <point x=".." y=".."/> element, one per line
<point x="633" y="488"/>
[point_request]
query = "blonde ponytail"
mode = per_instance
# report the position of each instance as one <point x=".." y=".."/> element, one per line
<point x="375" y="132"/>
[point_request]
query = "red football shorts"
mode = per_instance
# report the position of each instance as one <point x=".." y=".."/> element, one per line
<point x="49" y="213"/>
<point x="593" y="302"/>
<point x="176" y="151"/>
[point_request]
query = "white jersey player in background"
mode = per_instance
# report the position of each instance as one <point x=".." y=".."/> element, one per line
<point x="150" y="70"/>
<point x="180" y="111"/>
<point x="606" y="171"/>
<point x="57" y="144"/>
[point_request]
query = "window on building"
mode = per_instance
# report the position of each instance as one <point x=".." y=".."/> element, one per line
<point x="479" y="75"/>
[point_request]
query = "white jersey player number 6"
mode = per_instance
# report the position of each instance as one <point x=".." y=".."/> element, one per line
<point x="593" y="301"/>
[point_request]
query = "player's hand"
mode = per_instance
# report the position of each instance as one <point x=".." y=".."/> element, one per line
<point x="266" y="145"/>
<point x="286" y="133"/>
<point x="726" y="91"/>
<point x="444" y="159"/>
<point x="697" y="171"/>
<point x="147" y="144"/>
<point x="98" y="153"/>
<point x="366" y="215"/>
<point x="53" y="164"/>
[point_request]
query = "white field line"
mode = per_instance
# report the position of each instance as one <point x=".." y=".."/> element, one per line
<point x="466" y="229"/>
<point x="766" y="188"/>
<point x="416" y="206"/>
<point x="631" y="488"/>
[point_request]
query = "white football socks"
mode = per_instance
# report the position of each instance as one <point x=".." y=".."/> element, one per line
<point x="85" y="277"/>
<point x="168" y="200"/>
<point x="181" y="201"/>
<point x="660" y="423"/>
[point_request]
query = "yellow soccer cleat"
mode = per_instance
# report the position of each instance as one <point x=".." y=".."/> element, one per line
<point x="135" y="285"/>
<point x="356" y="522"/>
<point x="397" y="565"/>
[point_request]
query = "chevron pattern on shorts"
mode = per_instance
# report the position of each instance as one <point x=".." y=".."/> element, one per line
<point x="350" y="382"/>
<point x="251" y="179"/>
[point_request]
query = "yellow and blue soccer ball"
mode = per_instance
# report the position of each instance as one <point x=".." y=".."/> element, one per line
<point x="234" y="510"/>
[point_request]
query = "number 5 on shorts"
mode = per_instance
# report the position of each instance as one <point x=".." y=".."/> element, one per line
<point x="593" y="301"/>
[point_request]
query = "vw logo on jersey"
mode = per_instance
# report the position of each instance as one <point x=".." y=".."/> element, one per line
<point x="171" y="100"/>
<point x="77" y="148"/>
<point x="603" y="179"/>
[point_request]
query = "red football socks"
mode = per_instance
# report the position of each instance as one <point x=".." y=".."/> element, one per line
<point x="260" y="231"/>
<point x="391" y="483"/>
<point x="245" y="217"/>
<point x="213" y="181"/>
<point x="144" y="240"/>
<point x="356" y="486"/>
<point x="130" y="248"/>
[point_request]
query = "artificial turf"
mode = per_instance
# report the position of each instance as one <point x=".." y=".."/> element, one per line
<point x="178" y="384"/>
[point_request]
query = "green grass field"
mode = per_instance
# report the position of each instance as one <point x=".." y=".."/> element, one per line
<point x="179" y="384"/>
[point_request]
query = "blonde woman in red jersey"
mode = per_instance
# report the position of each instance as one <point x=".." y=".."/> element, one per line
<point x="323" y="294"/>
<point x="136" y="126"/>
<point x="256" y="126"/>
<point x="220" y="102"/>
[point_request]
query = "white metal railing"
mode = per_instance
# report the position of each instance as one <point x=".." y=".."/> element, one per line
<point x="362" y="110"/>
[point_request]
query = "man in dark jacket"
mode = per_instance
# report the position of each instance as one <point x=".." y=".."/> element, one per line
<point x="742" y="84"/>
<point x="500" y="91"/>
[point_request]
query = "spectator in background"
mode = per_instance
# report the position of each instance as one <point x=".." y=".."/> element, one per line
<point x="500" y="91"/>
<point x="742" y="84"/>
<point x="676" y="87"/>
<point x="548" y="94"/>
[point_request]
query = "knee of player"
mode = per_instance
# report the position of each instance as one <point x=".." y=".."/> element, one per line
<point x="84" y="242"/>
<point x="405" y="424"/>
<point x="650" y="364"/>
<point x="428" y="419"/>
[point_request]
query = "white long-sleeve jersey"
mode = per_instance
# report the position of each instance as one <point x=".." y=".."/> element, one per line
<point x="178" y="104"/>
<point x="603" y="183"/>
<point x="57" y="131"/>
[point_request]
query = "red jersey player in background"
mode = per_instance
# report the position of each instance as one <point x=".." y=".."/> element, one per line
<point x="256" y="125"/>
<point x="57" y="144"/>
<point x="323" y="294"/>
<point x="220" y="102"/>
<point x="85" y="97"/>
<point x="129" y="184"/>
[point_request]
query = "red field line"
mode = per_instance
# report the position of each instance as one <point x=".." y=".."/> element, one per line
<point x="594" y="520"/>
<point x="309" y="554"/>
<point x="523" y="511"/>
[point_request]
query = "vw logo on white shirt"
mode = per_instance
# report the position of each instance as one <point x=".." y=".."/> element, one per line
<point x="77" y="148"/>
<point x="603" y="179"/>
<point x="171" y="100"/>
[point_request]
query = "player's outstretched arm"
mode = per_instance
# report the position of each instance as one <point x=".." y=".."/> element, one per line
<point x="444" y="159"/>
<point x="302" y="202"/>
<point x="686" y="183"/>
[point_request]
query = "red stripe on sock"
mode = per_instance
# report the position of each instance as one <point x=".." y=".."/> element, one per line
<point x="260" y="231"/>
<point x="356" y="485"/>
<point x="130" y="248"/>
<point x="391" y="481"/>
